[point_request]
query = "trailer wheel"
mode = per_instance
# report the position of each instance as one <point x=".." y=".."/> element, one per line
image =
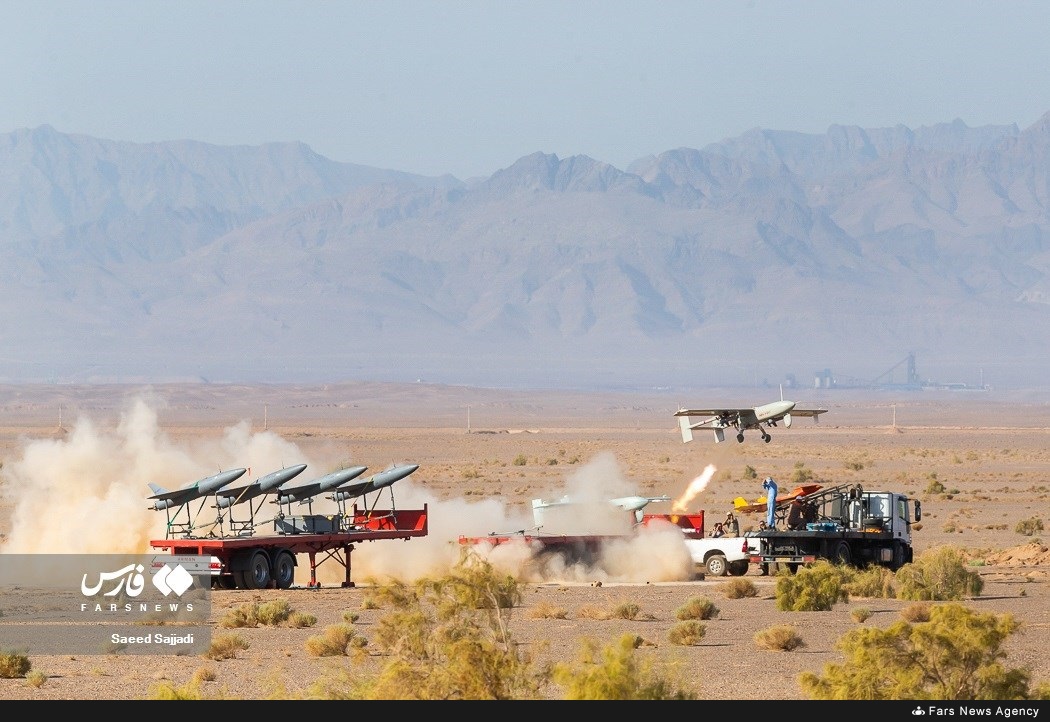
<point x="842" y="555"/>
<point x="739" y="568"/>
<point x="716" y="565"/>
<point x="257" y="575"/>
<point x="284" y="569"/>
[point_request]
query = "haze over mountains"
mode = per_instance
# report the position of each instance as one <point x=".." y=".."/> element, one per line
<point x="771" y="254"/>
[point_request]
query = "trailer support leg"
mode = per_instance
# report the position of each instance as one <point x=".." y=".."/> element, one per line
<point x="346" y="555"/>
<point x="312" y="584"/>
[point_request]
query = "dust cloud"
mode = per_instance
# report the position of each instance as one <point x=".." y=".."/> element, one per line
<point x="87" y="493"/>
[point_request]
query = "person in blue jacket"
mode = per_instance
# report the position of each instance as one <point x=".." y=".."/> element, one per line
<point x="771" y="501"/>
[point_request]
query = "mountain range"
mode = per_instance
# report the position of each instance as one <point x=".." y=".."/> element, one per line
<point x="770" y="258"/>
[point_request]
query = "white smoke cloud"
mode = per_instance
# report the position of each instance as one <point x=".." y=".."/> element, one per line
<point x="87" y="493"/>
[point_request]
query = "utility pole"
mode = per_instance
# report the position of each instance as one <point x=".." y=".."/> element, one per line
<point x="468" y="418"/>
<point x="266" y="420"/>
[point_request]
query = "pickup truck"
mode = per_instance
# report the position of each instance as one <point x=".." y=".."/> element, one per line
<point x="719" y="556"/>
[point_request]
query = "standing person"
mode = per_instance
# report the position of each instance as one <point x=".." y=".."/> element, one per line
<point x="732" y="526"/>
<point x="771" y="501"/>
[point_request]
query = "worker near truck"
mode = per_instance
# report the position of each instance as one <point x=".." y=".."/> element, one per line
<point x="771" y="501"/>
<point x="732" y="526"/>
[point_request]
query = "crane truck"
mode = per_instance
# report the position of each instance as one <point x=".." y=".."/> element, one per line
<point x="843" y="524"/>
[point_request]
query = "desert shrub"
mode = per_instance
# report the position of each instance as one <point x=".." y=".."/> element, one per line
<point x="274" y="612"/>
<point x="36" y="678"/>
<point x="369" y="601"/>
<point x="779" y="638"/>
<point x="448" y="638"/>
<point x="687" y="633"/>
<point x="616" y="673"/>
<point x="938" y="574"/>
<point x="934" y="486"/>
<point x="956" y="655"/>
<point x="625" y="610"/>
<point x="338" y="640"/>
<point x="301" y="620"/>
<point x="738" y="588"/>
<point x="860" y="614"/>
<point x="350" y="616"/>
<point x="1029" y="527"/>
<point x="917" y="612"/>
<point x="815" y="588"/>
<point x="14" y="664"/>
<point x="225" y="646"/>
<point x="697" y="608"/>
<point x="204" y="674"/>
<point x="166" y="689"/>
<point x="873" y="582"/>
<point x="546" y="610"/>
<point x="801" y="475"/>
<point x="520" y="460"/>
<point x="749" y="472"/>
<point x="590" y="611"/>
<point x="239" y="617"/>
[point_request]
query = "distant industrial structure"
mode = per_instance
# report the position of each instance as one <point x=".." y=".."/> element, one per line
<point x="890" y="380"/>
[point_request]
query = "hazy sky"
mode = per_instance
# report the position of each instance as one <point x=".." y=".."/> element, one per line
<point x="467" y="87"/>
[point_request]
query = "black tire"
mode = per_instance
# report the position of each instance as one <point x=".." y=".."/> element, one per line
<point x="740" y="437"/>
<point x="284" y="570"/>
<point x="257" y="575"/>
<point x="739" y="567"/>
<point x="767" y="438"/>
<point x="842" y="554"/>
<point x="716" y="565"/>
<point x="225" y="581"/>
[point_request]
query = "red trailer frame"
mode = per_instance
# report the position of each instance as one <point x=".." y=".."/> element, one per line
<point x="261" y="562"/>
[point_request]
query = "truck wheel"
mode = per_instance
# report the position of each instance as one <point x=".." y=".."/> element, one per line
<point x="225" y="581"/>
<point x="842" y="554"/>
<point x="716" y="565"/>
<point x="257" y="575"/>
<point x="739" y="568"/>
<point x="284" y="570"/>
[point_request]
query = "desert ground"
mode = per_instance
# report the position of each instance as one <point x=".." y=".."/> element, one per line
<point x="76" y="461"/>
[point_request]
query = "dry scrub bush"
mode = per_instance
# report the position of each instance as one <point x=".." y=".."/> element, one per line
<point x="860" y="614"/>
<point x="448" y="638"/>
<point x="1030" y="526"/>
<point x="225" y="646"/>
<point x="697" y="608"/>
<point x="36" y="678"/>
<point x="546" y="610"/>
<point x="625" y="610"/>
<point x="957" y="655"/>
<point x="917" y="612"/>
<point x="338" y="640"/>
<point x="615" y="672"/>
<point x="779" y="638"/>
<point x="590" y="611"/>
<point x="350" y="616"/>
<point x="166" y="689"/>
<point x="14" y="664"/>
<point x="938" y="574"/>
<point x="873" y="582"/>
<point x="815" y="588"/>
<point x="270" y="614"/>
<point x="738" y="588"/>
<point x="687" y="633"/>
<point x="301" y="620"/>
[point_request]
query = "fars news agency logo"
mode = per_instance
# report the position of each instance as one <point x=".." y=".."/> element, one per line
<point x="129" y="582"/>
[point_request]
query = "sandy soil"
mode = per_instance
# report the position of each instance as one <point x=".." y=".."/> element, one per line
<point x="76" y="460"/>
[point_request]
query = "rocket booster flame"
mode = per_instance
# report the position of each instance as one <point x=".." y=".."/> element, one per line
<point x="681" y="504"/>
